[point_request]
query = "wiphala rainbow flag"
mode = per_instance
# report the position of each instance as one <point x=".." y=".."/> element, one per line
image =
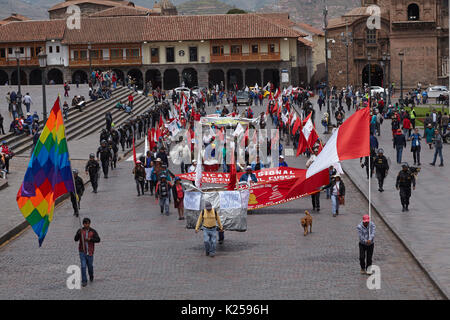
<point x="48" y="175"/>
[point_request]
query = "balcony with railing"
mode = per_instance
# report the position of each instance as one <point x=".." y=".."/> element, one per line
<point x="24" y="61"/>
<point x="113" y="61"/>
<point x="245" y="57"/>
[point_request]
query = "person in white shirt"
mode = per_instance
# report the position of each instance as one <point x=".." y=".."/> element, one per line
<point x="27" y="101"/>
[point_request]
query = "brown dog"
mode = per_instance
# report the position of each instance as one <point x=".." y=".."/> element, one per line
<point x="305" y="222"/>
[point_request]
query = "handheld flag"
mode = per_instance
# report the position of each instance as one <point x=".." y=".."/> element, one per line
<point x="48" y="176"/>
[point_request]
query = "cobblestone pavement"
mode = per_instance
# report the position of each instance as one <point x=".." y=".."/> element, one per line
<point x="144" y="255"/>
<point x="425" y="227"/>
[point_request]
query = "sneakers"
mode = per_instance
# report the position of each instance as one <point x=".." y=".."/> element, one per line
<point x="432" y="164"/>
<point x="363" y="271"/>
<point x="91" y="278"/>
<point x="84" y="284"/>
<point x="441" y="165"/>
<point x="220" y="241"/>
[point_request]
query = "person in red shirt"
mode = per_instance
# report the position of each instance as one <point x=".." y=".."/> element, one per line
<point x="114" y="81"/>
<point x="6" y="154"/>
<point x="407" y="127"/>
<point x="130" y="100"/>
<point x="87" y="238"/>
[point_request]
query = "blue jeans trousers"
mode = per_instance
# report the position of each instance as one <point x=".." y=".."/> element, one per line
<point x="209" y="238"/>
<point x="438" y="151"/>
<point x="164" y="204"/>
<point x="399" y="154"/>
<point x="88" y="261"/>
<point x="334" y="203"/>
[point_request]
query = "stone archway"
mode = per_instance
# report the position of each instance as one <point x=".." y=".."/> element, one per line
<point x="119" y="74"/>
<point x="376" y="75"/>
<point x="216" y="77"/>
<point x="252" y="77"/>
<point x="79" y="76"/>
<point x="272" y="75"/>
<point x="56" y="76"/>
<point x="189" y="77"/>
<point x="234" y="77"/>
<point x="35" y="77"/>
<point x="23" y="78"/>
<point x="154" y="77"/>
<point x="4" y="78"/>
<point x="137" y="74"/>
<point x="171" y="79"/>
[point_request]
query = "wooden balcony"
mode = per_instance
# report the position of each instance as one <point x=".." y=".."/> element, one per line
<point x="24" y="61"/>
<point x="103" y="62"/>
<point x="246" y="57"/>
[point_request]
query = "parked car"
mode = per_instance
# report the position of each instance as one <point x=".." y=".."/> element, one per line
<point x="437" y="91"/>
<point x="376" y="89"/>
<point x="243" y="98"/>
<point x="183" y="89"/>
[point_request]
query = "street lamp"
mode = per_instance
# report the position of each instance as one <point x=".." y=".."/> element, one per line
<point x="388" y="58"/>
<point x="325" y="14"/>
<point x="19" y="93"/>
<point x="90" y="62"/>
<point x="347" y="40"/>
<point x="369" y="58"/>
<point x="401" y="56"/>
<point x="383" y="64"/>
<point x="43" y="64"/>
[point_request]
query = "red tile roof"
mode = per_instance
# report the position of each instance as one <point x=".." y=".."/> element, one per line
<point x="306" y="42"/>
<point x="214" y="27"/>
<point x="27" y="31"/>
<point x="66" y="4"/>
<point x="121" y="11"/>
<point x="309" y="28"/>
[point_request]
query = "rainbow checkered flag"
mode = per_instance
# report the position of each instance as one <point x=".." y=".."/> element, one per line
<point x="48" y="176"/>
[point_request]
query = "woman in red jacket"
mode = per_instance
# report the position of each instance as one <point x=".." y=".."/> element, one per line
<point x="407" y="127"/>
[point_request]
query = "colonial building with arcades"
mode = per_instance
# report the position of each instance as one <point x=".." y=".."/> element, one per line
<point x="412" y="33"/>
<point x="155" y="46"/>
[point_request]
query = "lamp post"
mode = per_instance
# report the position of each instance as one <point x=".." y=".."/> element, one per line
<point x="383" y="64"/>
<point x="43" y="64"/>
<point x="347" y="40"/>
<point x="19" y="93"/>
<point x="90" y="62"/>
<point x="388" y="58"/>
<point x="401" y="56"/>
<point x="325" y="14"/>
<point x="369" y="58"/>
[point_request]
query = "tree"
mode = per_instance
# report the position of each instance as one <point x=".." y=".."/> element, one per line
<point x="236" y="11"/>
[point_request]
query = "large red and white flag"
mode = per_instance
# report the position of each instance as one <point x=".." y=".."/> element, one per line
<point x="310" y="135"/>
<point x="350" y="141"/>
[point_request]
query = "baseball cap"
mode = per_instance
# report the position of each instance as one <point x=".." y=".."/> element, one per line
<point x="249" y="168"/>
<point x="366" y="218"/>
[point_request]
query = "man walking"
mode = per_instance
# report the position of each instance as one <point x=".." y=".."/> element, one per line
<point x="105" y="157"/>
<point x="366" y="232"/>
<point x="209" y="219"/>
<point x="382" y="168"/>
<point x="79" y="188"/>
<point x="438" y="143"/>
<point x="399" y="144"/>
<point x="139" y="177"/>
<point x="27" y="101"/>
<point x="162" y="192"/>
<point x="404" y="181"/>
<point x="88" y="237"/>
<point x="93" y="169"/>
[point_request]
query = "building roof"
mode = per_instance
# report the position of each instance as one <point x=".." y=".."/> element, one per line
<point x="214" y="27"/>
<point x="306" y="42"/>
<point x="16" y="17"/>
<point x="27" y="31"/>
<point x="357" y="12"/>
<point x="309" y="28"/>
<point x="110" y="3"/>
<point x="336" y="23"/>
<point x="122" y="11"/>
<point x="107" y="30"/>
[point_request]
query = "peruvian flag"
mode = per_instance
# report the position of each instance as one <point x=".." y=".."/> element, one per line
<point x="350" y="141"/>
<point x="309" y="134"/>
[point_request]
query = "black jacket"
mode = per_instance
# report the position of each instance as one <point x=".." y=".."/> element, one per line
<point x="79" y="186"/>
<point x="331" y="185"/>
<point x="92" y="167"/>
<point x="399" y="141"/>
<point x="381" y="164"/>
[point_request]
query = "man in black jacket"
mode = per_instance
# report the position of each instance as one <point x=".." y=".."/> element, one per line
<point x="382" y="168"/>
<point x="93" y="168"/>
<point x="399" y="144"/>
<point x="105" y="156"/>
<point x="79" y="188"/>
<point x="404" y="180"/>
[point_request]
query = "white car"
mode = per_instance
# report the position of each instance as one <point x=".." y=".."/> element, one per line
<point x="196" y="91"/>
<point x="376" y="89"/>
<point x="437" y="91"/>
<point x="183" y="89"/>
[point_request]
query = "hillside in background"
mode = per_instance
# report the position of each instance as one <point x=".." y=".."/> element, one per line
<point x="194" y="7"/>
<point x="309" y="11"/>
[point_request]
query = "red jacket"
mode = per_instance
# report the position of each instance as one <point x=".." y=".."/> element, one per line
<point x="92" y="234"/>
<point x="406" y="123"/>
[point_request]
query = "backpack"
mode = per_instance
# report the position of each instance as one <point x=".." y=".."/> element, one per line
<point x="163" y="190"/>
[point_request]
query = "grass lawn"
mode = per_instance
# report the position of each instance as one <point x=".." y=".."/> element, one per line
<point x="422" y="110"/>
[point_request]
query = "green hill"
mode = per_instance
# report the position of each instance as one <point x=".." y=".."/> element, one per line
<point x="194" y="7"/>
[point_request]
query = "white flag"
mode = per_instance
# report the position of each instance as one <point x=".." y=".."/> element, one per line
<point x="239" y="130"/>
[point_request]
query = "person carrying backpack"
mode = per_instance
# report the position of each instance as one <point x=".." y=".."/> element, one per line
<point x="162" y="192"/>
<point x="209" y="218"/>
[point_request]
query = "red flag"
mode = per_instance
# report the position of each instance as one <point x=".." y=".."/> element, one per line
<point x="297" y="124"/>
<point x="233" y="178"/>
<point x="134" y="153"/>
<point x="161" y="122"/>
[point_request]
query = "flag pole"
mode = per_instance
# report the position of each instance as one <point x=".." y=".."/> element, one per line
<point x="73" y="180"/>
<point x="370" y="178"/>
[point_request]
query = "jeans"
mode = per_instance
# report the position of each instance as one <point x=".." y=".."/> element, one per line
<point x="436" y="152"/>
<point x="416" y="154"/>
<point x="27" y="105"/>
<point x="89" y="261"/>
<point x="334" y="204"/>
<point x="209" y="238"/>
<point x="399" y="154"/>
<point x="140" y="186"/>
<point x="164" y="204"/>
